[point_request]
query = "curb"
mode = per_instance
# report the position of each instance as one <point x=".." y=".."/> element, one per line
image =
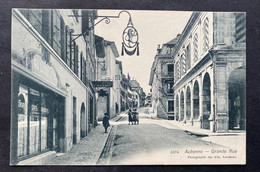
<point x="95" y="160"/>
<point x="202" y="133"/>
<point x="114" y="119"/>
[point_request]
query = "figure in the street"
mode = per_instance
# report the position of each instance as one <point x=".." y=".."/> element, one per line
<point x="135" y="116"/>
<point x="106" y="122"/>
<point x="130" y="119"/>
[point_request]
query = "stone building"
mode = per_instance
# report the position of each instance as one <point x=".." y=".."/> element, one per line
<point x="209" y="72"/>
<point x="161" y="80"/>
<point x="53" y="101"/>
<point x="123" y="93"/>
<point x="107" y="83"/>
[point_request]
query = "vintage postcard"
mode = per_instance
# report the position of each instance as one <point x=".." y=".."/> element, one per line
<point x="127" y="87"/>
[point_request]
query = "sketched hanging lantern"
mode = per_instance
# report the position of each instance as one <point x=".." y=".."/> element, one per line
<point x="130" y="42"/>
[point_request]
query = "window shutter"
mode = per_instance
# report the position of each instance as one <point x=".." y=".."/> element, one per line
<point x="67" y="46"/>
<point x="76" y="59"/>
<point x="81" y="66"/>
<point x="56" y="33"/>
<point x="85" y="21"/>
<point x="72" y="56"/>
<point x="63" y="40"/>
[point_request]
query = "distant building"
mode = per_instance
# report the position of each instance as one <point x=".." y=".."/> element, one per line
<point x="161" y="80"/>
<point x="148" y="100"/>
<point x="123" y="93"/>
<point x="210" y="72"/>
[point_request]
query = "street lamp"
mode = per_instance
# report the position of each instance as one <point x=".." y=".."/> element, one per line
<point x="130" y="37"/>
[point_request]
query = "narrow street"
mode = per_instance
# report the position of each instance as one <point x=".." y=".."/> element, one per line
<point x="153" y="141"/>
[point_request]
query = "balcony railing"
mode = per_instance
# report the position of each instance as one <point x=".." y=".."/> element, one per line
<point x="168" y="74"/>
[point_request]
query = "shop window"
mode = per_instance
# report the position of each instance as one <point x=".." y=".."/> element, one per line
<point x="34" y="121"/>
<point x="22" y="121"/>
<point x="44" y="121"/>
<point x="33" y="118"/>
<point x="170" y="106"/>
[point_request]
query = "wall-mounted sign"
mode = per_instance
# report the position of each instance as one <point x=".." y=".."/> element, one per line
<point x="102" y="83"/>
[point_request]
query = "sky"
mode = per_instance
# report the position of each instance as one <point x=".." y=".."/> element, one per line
<point x="153" y="27"/>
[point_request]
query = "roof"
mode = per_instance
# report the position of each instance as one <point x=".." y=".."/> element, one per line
<point x="173" y="41"/>
<point x="113" y="47"/>
<point x="99" y="43"/>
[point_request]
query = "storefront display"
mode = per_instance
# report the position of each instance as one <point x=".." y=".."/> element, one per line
<point x="37" y="121"/>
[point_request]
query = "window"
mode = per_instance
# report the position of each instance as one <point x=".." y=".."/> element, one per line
<point x="170" y="106"/>
<point x="183" y="63"/>
<point x="81" y="66"/>
<point x="240" y="27"/>
<point x="68" y="47"/>
<point x="188" y="57"/>
<point x="170" y="68"/>
<point x="72" y="61"/>
<point x="56" y="32"/>
<point x="76" y="13"/>
<point x="33" y="121"/>
<point x="205" y="35"/>
<point x="34" y="17"/>
<point x="76" y="57"/>
<point x="169" y="87"/>
<point x="195" y="45"/>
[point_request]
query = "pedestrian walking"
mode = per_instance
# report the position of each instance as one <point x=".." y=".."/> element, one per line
<point x="136" y="117"/>
<point x="106" y="122"/>
<point x="130" y="119"/>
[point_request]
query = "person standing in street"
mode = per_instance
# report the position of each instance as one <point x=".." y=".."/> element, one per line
<point x="106" y="122"/>
<point x="130" y="120"/>
<point x="136" y="117"/>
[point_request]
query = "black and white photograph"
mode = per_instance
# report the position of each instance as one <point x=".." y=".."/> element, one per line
<point x="95" y="87"/>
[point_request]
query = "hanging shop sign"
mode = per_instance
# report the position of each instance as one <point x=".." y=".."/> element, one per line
<point x="102" y="83"/>
<point x="130" y="43"/>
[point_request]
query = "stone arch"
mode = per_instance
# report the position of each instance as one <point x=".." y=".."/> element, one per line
<point x="188" y="103"/>
<point x="195" y="100"/>
<point x="237" y="98"/>
<point x="206" y="101"/>
<point x="82" y="121"/>
<point x="182" y="106"/>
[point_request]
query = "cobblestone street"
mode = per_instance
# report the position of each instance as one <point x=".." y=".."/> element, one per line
<point x="153" y="141"/>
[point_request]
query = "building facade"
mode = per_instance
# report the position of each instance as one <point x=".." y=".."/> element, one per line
<point x="50" y="90"/>
<point x="161" y="80"/>
<point x="107" y="70"/>
<point x="209" y="72"/>
<point x="123" y="93"/>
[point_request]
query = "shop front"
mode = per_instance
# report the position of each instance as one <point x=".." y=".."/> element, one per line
<point x="38" y="101"/>
<point x="37" y="120"/>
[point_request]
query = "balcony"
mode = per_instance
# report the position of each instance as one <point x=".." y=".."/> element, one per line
<point x="168" y="75"/>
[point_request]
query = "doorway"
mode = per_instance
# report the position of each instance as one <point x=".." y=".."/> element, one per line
<point x="237" y="99"/>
